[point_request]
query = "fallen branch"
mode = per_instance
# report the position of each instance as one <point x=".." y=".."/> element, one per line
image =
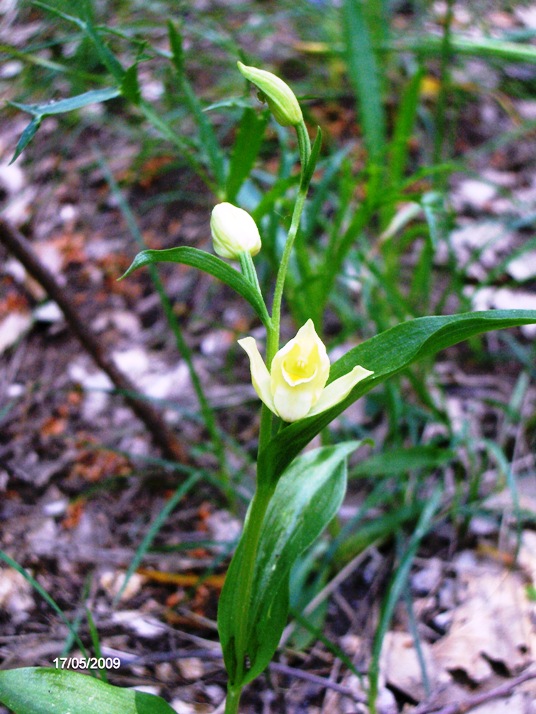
<point x="20" y="247"/>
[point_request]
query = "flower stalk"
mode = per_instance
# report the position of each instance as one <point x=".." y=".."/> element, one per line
<point x="265" y="488"/>
<point x="291" y="383"/>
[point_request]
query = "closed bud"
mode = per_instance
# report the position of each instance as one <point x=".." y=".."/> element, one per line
<point x="277" y="94"/>
<point x="233" y="231"/>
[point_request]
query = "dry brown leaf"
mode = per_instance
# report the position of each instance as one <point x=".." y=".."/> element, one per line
<point x="401" y="668"/>
<point x="12" y="328"/>
<point x="492" y="623"/>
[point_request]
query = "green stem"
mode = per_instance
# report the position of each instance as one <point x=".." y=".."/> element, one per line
<point x="265" y="488"/>
<point x="304" y="145"/>
<point x="233" y="700"/>
<point x="248" y="270"/>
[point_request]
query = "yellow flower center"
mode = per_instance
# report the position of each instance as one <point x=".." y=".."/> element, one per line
<point x="297" y="368"/>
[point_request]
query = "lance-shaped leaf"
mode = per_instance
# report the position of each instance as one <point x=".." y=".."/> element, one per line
<point x="306" y="498"/>
<point x="209" y="264"/>
<point x="43" y="690"/>
<point x="39" y="111"/>
<point x="386" y="354"/>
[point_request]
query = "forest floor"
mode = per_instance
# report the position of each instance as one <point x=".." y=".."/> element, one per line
<point x="81" y="479"/>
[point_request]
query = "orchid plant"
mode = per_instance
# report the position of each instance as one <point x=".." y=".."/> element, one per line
<point x="301" y="392"/>
<point x="297" y="494"/>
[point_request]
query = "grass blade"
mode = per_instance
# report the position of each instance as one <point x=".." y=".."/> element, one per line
<point x="364" y="76"/>
<point x="46" y="597"/>
<point x="207" y="135"/>
<point x="155" y="527"/>
<point x="245" y="150"/>
<point x="395" y="590"/>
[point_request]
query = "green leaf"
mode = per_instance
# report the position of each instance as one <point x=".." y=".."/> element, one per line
<point x="397" y="462"/>
<point x="40" y="111"/>
<point x="209" y="264"/>
<point x="386" y="354"/>
<point x="130" y="86"/>
<point x="26" y="136"/>
<point x="71" y="103"/>
<point x="364" y="75"/>
<point x="404" y="128"/>
<point x="43" y="690"/>
<point x="306" y="498"/>
<point x="207" y="136"/>
<point x="498" y="48"/>
<point x="177" y="51"/>
<point x="245" y="150"/>
<point x="107" y="57"/>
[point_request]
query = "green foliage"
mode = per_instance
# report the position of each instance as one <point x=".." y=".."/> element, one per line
<point x="245" y="151"/>
<point x="306" y="498"/>
<point x="386" y="355"/>
<point x="364" y="75"/>
<point x="209" y="264"/>
<point x="40" y="111"/>
<point x="43" y="690"/>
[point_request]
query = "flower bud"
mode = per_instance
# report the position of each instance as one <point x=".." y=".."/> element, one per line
<point x="277" y="94"/>
<point x="233" y="231"/>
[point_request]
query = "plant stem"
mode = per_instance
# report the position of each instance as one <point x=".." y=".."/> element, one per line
<point x="304" y="145"/>
<point x="233" y="700"/>
<point x="248" y="270"/>
<point x="265" y="488"/>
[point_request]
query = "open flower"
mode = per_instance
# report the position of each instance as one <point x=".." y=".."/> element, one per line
<point x="233" y="231"/>
<point x="277" y="94"/>
<point x="296" y="385"/>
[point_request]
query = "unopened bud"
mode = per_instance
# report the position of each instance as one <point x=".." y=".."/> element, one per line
<point x="278" y="95"/>
<point x="233" y="231"/>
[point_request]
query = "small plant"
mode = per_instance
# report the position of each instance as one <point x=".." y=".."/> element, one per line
<point x="296" y="494"/>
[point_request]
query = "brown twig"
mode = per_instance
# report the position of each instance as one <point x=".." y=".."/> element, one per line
<point x="320" y="681"/>
<point x="20" y="247"/>
<point x="215" y="654"/>
<point x="475" y="700"/>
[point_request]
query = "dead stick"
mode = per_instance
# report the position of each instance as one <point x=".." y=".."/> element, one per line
<point x="502" y="690"/>
<point x="21" y="248"/>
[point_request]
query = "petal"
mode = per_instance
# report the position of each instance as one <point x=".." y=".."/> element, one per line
<point x="339" y="389"/>
<point x="292" y="403"/>
<point x="310" y="347"/>
<point x="260" y="376"/>
<point x="296" y="370"/>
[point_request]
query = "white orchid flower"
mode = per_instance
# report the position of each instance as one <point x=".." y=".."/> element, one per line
<point x="295" y="387"/>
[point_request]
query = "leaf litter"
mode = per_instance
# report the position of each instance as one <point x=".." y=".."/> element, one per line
<point x="475" y="609"/>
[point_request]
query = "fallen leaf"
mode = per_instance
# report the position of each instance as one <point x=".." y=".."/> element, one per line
<point x="401" y="668"/>
<point x="491" y="624"/>
<point x="12" y="328"/>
